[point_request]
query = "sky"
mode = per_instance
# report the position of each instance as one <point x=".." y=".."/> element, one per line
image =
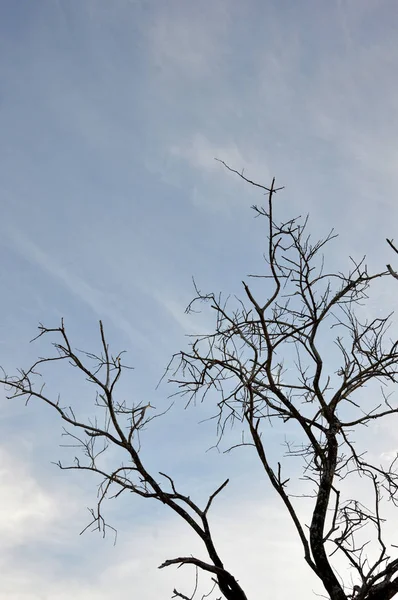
<point x="111" y="115"/>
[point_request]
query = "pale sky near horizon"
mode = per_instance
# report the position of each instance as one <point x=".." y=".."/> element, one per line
<point x="111" y="115"/>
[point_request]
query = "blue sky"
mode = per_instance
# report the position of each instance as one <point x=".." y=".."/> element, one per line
<point x="111" y="114"/>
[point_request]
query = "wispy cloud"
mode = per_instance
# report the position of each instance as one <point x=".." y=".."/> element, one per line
<point x="188" y="40"/>
<point x="101" y="302"/>
<point x="28" y="511"/>
<point x="112" y="115"/>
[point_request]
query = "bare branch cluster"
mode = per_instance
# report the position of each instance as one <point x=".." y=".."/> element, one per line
<point x="120" y="428"/>
<point x="269" y="359"/>
<point x="244" y="363"/>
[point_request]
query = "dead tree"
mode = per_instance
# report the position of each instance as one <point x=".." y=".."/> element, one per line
<point x="265" y="361"/>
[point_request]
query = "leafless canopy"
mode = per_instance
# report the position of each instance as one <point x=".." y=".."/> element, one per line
<point x="267" y="360"/>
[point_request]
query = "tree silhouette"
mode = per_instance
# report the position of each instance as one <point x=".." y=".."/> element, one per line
<point x="295" y="350"/>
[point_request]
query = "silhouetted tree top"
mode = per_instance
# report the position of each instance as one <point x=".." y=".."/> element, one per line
<point x="269" y="358"/>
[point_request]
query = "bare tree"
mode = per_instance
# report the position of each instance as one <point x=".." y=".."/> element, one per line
<point x="267" y="359"/>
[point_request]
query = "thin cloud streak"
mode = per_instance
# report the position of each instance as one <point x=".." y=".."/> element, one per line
<point x="112" y="115"/>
